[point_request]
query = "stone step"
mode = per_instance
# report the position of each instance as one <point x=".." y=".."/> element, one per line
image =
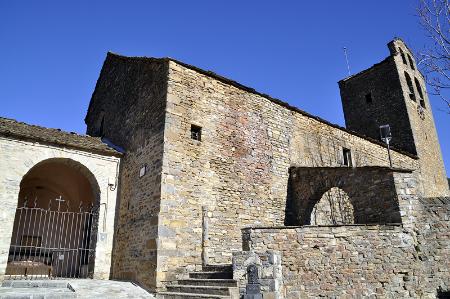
<point x="175" y="295"/>
<point x="62" y="284"/>
<point x="36" y="289"/>
<point x="218" y="268"/>
<point x="36" y="293"/>
<point x="211" y="275"/>
<point x="209" y="282"/>
<point x="196" y="289"/>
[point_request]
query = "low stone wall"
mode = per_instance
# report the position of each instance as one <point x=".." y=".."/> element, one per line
<point x="433" y="242"/>
<point x="349" y="261"/>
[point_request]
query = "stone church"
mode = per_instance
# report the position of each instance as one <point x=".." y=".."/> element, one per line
<point x="195" y="186"/>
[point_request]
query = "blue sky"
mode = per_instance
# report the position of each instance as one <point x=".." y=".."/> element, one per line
<point x="52" y="51"/>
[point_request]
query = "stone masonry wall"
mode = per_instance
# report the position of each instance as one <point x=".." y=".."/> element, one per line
<point x="238" y="172"/>
<point x="345" y="261"/>
<point x="127" y="108"/>
<point x="18" y="157"/>
<point x="371" y="190"/>
<point x="407" y="261"/>
<point x="433" y="242"/>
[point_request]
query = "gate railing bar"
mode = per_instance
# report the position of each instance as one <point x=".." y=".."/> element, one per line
<point x="41" y="245"/>
<point x="33" y="211"/>
<point x="73" y="256"/>
<point x="70" y="239"/>
<point x="82" y="243"/>
<point x="48" y="231"/>
<point x="59" y="236"/>
<point x="39" y="231"/>
<point x="79" y="215"/>
<point x="17" y="232"/>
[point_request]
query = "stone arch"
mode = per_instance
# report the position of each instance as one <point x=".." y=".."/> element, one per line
<point x="40" y="186"/>
<point x="67" y="163"/>
<point x="333" y="208"/>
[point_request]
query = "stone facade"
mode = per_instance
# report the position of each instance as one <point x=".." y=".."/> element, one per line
<point x="18" y="156"/>
<point x="397" y="97"/>
<point x="128" y="108"/>
<point x="216" y="157"/>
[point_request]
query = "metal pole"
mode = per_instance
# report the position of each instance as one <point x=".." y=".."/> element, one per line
<point x="389" y="153"/>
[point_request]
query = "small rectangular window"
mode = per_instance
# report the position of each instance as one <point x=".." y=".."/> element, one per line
<point x="369" y="98"/>
<point x="196" y="132"/>
<point x="347" y="154"/>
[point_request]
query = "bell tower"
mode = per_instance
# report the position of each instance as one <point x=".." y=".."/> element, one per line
<point x="393" y="92"/>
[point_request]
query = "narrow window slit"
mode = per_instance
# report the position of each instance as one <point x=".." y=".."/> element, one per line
<point x="410" y="87"/>
<point x="403" y="56"/>
<point x="411" y="62"/>
<point x="419" y="88"/>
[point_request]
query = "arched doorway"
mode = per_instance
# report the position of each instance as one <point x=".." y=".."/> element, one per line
<point x="333" y="208"/>
<point x="55" y="225"/>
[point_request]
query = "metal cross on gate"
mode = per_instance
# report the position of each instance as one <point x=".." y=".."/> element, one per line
<point x="59" y="200"/>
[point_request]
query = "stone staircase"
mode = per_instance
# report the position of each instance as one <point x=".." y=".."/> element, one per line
<point x="215" y="281"/>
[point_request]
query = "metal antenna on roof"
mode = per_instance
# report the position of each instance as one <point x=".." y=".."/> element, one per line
<point x="346" y="59"/>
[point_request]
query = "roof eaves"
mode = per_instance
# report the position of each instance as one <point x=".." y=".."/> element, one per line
<point x="8" y="133"/>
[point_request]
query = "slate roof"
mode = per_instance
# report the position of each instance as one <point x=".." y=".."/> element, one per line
<point x="11" y="128"/>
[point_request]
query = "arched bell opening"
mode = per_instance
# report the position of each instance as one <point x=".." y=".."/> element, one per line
<point x="55" y="225"/>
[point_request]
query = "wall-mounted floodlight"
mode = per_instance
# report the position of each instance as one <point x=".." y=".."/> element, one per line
<point x="386" y="136"/>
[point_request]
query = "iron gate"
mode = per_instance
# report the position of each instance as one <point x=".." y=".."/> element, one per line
<point x="53" y="242"/>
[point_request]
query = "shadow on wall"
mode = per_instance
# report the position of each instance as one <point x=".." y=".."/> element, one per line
<point x="341" y="195"/>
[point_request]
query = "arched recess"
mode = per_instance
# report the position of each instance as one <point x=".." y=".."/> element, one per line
<point x="56" y="221"/>
<point x="333" y="208"/>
